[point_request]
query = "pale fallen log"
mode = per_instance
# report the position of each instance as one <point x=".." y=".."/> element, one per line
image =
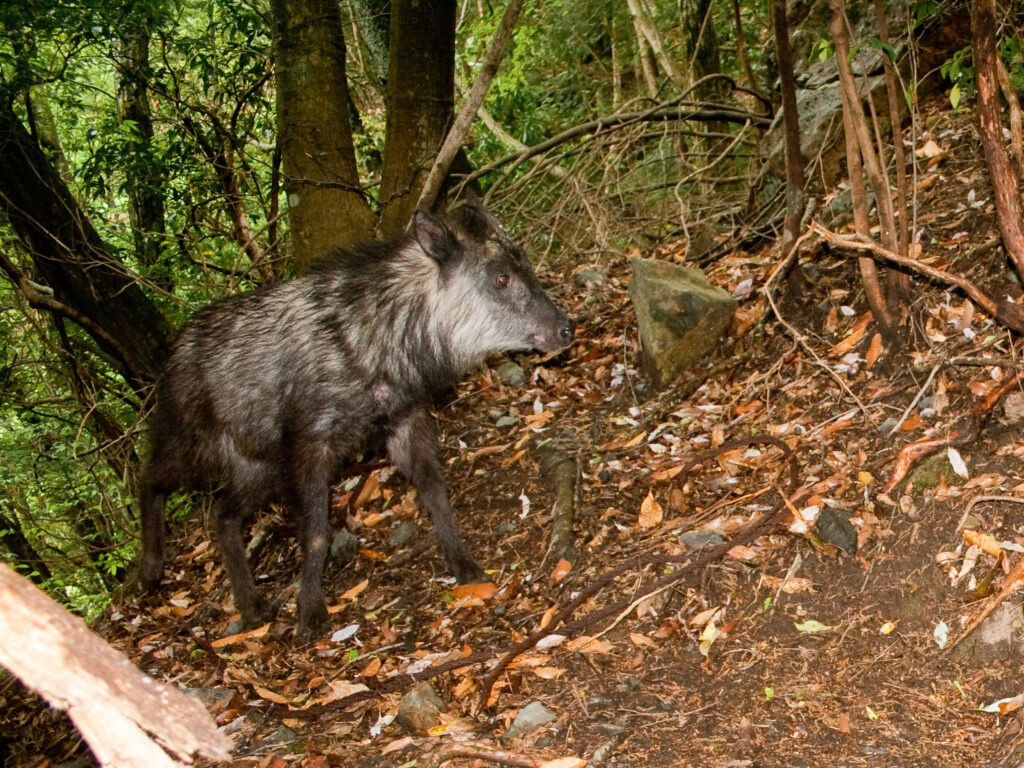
<point x="127" y="718"/>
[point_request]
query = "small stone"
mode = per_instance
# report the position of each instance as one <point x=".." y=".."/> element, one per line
<point x="530" y="718"/>
<point x="506" y="421"/>
<point x="511" y="374"/>
<point x="344" y="546"/>
<point x="834" y="527"/>
<point x="420" y="709"/>
<point x="403" y="533"/>
<point x="701" y="539"/>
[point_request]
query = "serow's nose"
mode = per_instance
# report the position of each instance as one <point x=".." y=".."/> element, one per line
<point x="566" y="332"/>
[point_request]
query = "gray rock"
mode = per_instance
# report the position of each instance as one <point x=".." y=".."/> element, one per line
<point x="834" y="527"/>
<point x="280" y="736"/>
<point x="420" y="709"/>
<point x="511" y="374"/>
<point x="530" y="718"/>
<point x="680" y="315"/>
<point x="403" y="533"/>
<point x="212" y="698"/>
<point x="506" y="421"/>
<point x="344" y="546"/>
<point x="999" y="638"/>
<point x="701" y="539"/>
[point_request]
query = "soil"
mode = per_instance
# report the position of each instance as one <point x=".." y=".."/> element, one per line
<point x="841" y="667"/>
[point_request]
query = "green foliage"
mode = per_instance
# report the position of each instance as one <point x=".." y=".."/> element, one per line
<point x="959" y="70"/>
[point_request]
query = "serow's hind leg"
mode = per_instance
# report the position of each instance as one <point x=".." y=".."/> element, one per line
<point x="230" y="519"/>
<point x="313" y="495"/>
<point x="153" y="491"/>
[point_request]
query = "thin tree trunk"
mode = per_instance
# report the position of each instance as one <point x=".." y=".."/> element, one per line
<point x="648" y="67"/>
<point x="650" y="32"/>
<point x="326" y="206"/>
<point x="421" y="87"/>
<point x="791" y="120"/>
<point x="741" y="49"/>
<point x="144" y="179"/>
<point x="858" y="153"/>
<point x="463" y="123"/>
<point x="1005" y="183"/>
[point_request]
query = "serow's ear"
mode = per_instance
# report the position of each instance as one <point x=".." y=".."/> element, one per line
<point x="433" y="236"/>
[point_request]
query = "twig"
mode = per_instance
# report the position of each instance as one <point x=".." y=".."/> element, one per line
<point x="920" y="394"/>
<point x="977" y="500"/>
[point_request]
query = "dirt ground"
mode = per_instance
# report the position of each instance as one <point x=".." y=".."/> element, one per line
<point x="786" y="652"/>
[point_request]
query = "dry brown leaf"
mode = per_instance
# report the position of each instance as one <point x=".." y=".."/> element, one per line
<point x="371" y="669"/>
<point x="487" y="450"/>
<point x="549" y="614"/>
<point x="513" y="458"/>
<point x="481" y="591"/>
<point x="565" y="762"/>
<point x="666" y="474"/>
<point x="351" y="594"/>
<point x="637" y="639"/>
<point x="252" y="634"/>
<point x="651" y="513"/>
<point x="982" y="541"/>
<point x="587" y="644"/>
<point x="548" y="673"/>
<point x="792" y="585"/>
<point x="269" y="695"/>
<point x="874" y="351"/>
<point x="561" y="570"/>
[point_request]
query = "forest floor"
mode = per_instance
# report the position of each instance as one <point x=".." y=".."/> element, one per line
<point x="784" y="652"/>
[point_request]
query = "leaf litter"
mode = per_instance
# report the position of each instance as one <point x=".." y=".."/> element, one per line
<point x="847" y="644"/>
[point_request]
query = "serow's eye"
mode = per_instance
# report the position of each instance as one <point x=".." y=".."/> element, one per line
<point x="502" y="281"/>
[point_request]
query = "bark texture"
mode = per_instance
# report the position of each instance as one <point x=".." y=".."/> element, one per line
<point x="73" y="261"/>
<point x="326" y="206"/>
<point x="421" y="86"/>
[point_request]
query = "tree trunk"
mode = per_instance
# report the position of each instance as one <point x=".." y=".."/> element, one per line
<point x="421" y="87"/>
<point x="791" y="118"/>
<point x="372" y="18"/>
<point x="326" y="206"/>
<point x="144" y="179"/>
<point x="1005" y="183"/>
<point x="72" y="259"/>
<point x="12" y="538"/>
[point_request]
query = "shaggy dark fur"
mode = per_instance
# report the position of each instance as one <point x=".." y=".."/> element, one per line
<point x="268" y="394"/>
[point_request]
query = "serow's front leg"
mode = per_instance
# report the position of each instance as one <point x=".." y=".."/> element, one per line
<point x="412" y="446"/>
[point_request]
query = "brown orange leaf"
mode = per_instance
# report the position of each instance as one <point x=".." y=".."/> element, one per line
<point x="549" y="614"/>
<point x="874" y="351"/>
<point x="372" y="668"/>
<point x="252" y="634"/>
<point x="561" y="570"/>
<point x="982" y="541"/>
<point x="651" y="512"/>
<point x="481" y="591"/>
<point x="351" y="594"/>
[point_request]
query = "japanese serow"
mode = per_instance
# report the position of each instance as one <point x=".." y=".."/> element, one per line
<point x="267" y="395"/>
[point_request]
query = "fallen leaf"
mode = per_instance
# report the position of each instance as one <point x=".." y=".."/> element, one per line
<point x="651" y="512"/>
<point x="481" y="591"/>
<point x="637" y="639"/>
<point x="586" y="644"/>
<point x="561" y="570"/>
<point x="548" y="673"/>
<point x="269" y="695"/>
<point x="813" y="625"/>
<point x="982" y="541"/>
<point x="874" y="351"/>
<point x="549" y="614"/>
<point x="351" y="594"/>
<point x="564" y="762"/>
<point x="252" y="634"/>
<point x="371" y="669"/>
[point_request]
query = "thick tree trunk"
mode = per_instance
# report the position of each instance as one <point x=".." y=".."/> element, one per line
<point x="72" y="260"/>
<point x="421" y="86"/>
<point x="326" y="206"/>
<point x="14" y="540"/>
